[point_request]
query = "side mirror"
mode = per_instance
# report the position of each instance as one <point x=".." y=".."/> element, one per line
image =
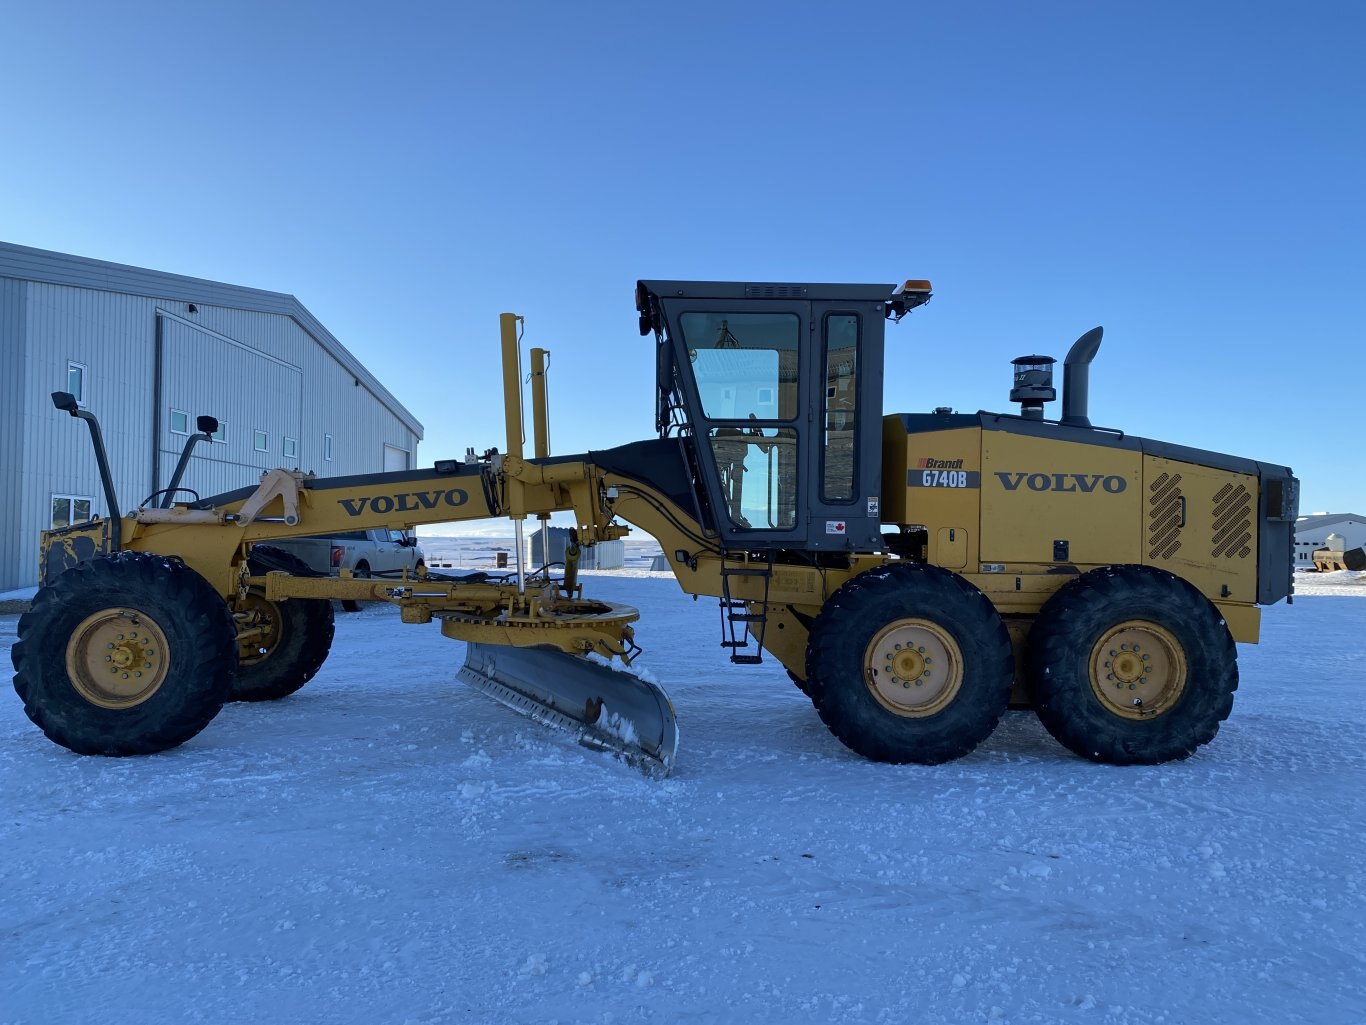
<point x="207" y="424"/>
<point x="66" y="402"/>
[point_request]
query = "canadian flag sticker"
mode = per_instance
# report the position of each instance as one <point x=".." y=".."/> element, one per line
<point x="834" y="526"/>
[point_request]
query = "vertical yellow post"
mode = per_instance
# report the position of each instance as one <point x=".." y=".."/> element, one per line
<point x="540" y="421"/>
<point x="512" y="381"/>
<point x="512" y="408"/>
<point x="540" y="432"/>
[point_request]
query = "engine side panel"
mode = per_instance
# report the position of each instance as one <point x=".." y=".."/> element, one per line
<point x="1059" y="503"/>
<point x="1019" y="507"/>
<point x="1201" y="524"/>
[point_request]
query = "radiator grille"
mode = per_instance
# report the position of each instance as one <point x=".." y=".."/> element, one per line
<point x="775" y="291"/>
<point x="1232" y="527"/>
<point x="1164" y="516"/>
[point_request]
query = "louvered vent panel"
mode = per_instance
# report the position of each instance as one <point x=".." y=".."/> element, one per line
<point x="1232" y="522"/>
<point x="1164" y="516"/>
<point x="775" y="291"/>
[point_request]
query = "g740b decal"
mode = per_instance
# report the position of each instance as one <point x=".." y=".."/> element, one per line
<point x="943" y="478"/>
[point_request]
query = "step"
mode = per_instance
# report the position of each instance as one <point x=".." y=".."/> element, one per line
<point x="747" y="660"/>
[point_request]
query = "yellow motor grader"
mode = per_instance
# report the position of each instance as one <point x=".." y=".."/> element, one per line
<point x="916" y="573"/>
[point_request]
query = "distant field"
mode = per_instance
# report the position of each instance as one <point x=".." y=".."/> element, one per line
<point x="482" y="552"/>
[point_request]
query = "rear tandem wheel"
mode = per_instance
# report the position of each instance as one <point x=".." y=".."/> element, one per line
<point x="909" y="663"/>
<point x="1131" y="665"/>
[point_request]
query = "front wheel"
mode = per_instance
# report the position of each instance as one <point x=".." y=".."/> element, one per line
<point x="909" y="663"/>
<point x="361" y="572"/>
<point x="286" y="642"/>
<point x="124" y="655"/>
<point x="1131" y="665"/>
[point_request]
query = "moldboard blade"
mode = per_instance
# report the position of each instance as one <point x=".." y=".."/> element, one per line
<point x="606" y="709"/>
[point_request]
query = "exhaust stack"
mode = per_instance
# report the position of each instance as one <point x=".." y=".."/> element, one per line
<point x="1076" y="378"/>
<point x="67" y="403"/>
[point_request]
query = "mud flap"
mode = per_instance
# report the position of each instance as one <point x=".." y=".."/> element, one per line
<point x="604" y="708"/>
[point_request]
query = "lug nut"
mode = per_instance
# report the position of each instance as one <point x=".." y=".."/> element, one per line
<point x="138" y="675"/>
<point x="125" y="676"/>
<point x="109" y="658"/>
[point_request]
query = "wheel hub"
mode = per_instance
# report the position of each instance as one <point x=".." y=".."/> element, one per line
<point x="117" y="658"/>
<point x="913" y="667"/>
<point x="258" y="628"/>
<point x="1138" y="669"/>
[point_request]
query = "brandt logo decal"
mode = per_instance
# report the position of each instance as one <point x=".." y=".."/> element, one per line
<point x="1085" y="483"/>
<point x="939" y="464"/>
<point x="410" y="502"/>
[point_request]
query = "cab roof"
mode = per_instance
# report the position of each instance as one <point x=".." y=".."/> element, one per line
<point x="764" y="290"/>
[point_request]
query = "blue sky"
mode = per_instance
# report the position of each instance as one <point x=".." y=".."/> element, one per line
<point x="1189" y="175"/>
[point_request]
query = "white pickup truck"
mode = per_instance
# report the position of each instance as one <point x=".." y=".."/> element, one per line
<point x="366" y="553"/>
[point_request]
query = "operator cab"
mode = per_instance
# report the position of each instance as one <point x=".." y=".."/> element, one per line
<point x="778" y="388"/>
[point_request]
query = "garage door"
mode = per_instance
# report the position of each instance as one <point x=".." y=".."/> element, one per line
<point x="395" y="458"/>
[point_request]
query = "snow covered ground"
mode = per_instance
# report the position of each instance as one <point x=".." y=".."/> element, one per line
<point x="389" y="846"/>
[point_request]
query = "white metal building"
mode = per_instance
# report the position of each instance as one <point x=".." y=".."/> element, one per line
<point x="148" y="352"/>
<point x="1311" y="533"/>
<point x="603" y="555"/>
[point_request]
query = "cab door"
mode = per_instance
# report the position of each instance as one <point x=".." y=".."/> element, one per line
<point x="742" y="366"/>
<point x="844" y="459"/>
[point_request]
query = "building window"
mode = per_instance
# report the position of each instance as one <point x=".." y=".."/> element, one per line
<point x="180" y="422"/>
<point x="260" y="441"/>
<point x="221" y="435"/>
<point x="327" y="447"/>
<point x="291" y="448"/>
<point x="75" y="380"/>
<point x="69" y="509"/>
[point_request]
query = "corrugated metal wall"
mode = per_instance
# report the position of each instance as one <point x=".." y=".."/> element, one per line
<point x="12" y="299"/>
<point x="253" y="370"/>
<point x="268" y="396"/>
